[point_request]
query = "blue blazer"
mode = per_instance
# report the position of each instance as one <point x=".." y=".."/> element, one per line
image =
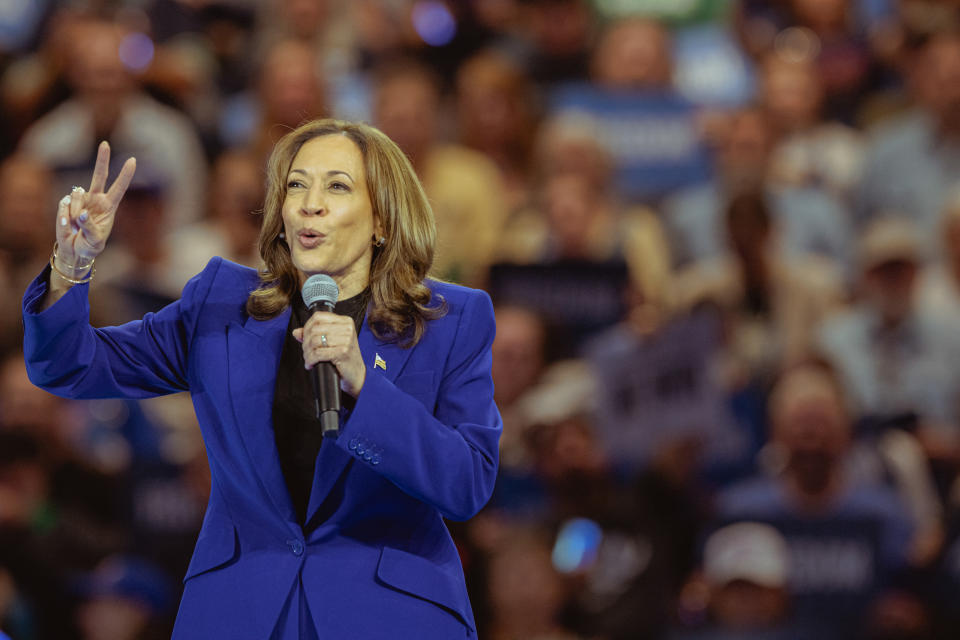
<point x="420" y="445"/>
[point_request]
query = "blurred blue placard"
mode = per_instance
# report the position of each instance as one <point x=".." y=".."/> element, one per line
<point x="655" y="389"/>
<point x="652" y="137"/>
<point x="579" y="298"/>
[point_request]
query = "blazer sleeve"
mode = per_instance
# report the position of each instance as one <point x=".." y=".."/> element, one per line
<point x="147" y="357"/>
<point x="447" y="459"/>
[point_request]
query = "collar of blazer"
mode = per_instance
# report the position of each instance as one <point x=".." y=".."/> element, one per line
<point x="253" y="354"/>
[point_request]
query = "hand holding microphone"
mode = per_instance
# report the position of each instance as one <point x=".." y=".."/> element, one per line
<point x="330" y="349"/>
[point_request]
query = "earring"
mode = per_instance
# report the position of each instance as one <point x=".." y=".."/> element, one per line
<point x="380" y="241"/>
<point x="283" y="236"/>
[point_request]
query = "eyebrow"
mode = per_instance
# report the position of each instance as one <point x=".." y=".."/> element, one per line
<point x="330" y="173"/>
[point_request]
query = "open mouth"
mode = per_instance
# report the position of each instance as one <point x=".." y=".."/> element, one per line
<point x="309" y="238"/>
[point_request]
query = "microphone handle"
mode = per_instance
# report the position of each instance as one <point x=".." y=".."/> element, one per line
<point x="326" y="389"/>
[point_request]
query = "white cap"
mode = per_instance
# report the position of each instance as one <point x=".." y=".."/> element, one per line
<point x="887" y="239"/>
<point x="747" y="551"/>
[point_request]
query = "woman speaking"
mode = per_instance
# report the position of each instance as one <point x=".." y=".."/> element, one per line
<point x="304" y="536"/>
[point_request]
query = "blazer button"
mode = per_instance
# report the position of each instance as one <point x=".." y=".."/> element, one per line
<point x="375" y="459"/>
<point x="296" y="547"/>
<point x="353" y="444"/>
<point x="360" y="449"/>
<point x="367" y="456"/>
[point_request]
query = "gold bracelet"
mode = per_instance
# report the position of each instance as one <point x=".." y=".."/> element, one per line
<point x="78" y="267"/>
<point x="63" y="276"/>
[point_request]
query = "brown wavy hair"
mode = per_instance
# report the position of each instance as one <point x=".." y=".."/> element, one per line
<point x="400" y="303"/>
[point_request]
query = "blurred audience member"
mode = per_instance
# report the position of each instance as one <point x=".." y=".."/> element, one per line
<point x="912" y="162"/>
<point x="290" y="89"/>
<point x="124" y="598"/>
<point x="897" y="359"/>
<point x="519" y="357"/>
<point x="742" y="588"/>
<point x="321" y="24"/>
<point x="808" y="219"/>
<point x="383" y="31"/>
<point x="843" y="45"/>
<point x="650" y="131"/>
<point x="232" y="224"/>
<point x="34" y="602"/>
<point x="33" y="81"/>
<point x="628" y="572"/>
<point x="571" y="144"/>
<point x="464" y="186"/>
<point x="526" y="593"/>
<point x="108" y="104"/>
<point x="137" y="274"/>
<point x="559" y="34"/>
<point x="575" y="214"/>
<point x="810" y="151"/>
<point x="939" y="288"/>
<point x="573" y="221"/>
<point x="81" y="497"/>
<point x="771" y="303"/>
<point x="848" y="543"/>
<point x="25" y="246"/>
<point x="850" y="39"/>
<point x="496" y="116"/>
<point x="633" y="54"/>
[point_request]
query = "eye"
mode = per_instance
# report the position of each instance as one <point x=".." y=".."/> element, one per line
<point x="339" y="186"/>
<point x="293" y="184"/>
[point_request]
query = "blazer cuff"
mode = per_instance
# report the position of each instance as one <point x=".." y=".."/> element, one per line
<point x="74" y="302"/>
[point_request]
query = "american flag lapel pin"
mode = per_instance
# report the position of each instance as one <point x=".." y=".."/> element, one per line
<point x="379" y="362"/>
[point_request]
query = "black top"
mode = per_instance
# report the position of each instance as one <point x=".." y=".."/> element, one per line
<point x="295" y="425"/>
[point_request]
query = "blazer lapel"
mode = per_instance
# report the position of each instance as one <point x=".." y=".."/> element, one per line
<point x="333" y="460"/>
<point x="253" y="356"/>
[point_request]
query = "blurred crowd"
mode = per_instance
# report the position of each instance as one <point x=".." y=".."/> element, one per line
<point x="722" y="238"/>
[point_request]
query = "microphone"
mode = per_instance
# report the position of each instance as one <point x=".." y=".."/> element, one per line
<point x="320" y="293"/>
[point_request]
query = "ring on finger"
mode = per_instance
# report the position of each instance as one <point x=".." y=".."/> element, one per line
<point x="77" y="190"/>
<point x="323" y="339"/>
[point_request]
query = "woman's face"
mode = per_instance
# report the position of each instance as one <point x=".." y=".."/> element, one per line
<point x="327" y="214"/>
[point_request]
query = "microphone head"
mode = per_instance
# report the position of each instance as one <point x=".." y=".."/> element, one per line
<point x="320" y="289"/>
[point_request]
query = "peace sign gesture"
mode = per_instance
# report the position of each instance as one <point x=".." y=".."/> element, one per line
<point x="84" y="219"/>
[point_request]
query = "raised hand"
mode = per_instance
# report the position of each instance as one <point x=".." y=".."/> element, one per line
<point x="85" y="218"/>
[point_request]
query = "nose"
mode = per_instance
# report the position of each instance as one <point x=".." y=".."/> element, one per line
<point x="313" y="203"/>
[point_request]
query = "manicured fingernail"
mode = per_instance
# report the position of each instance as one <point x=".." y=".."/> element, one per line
<point x="64" y="201"/>
<point x="83" y="216"/>
<point x="63" y="221"/>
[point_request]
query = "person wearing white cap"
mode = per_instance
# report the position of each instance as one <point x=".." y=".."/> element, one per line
<point x="743" y="584"/>
<point x="746" y="566"/>
<point x="896" y="358"/>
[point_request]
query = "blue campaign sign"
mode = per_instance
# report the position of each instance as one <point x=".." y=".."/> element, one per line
<point x="835" y="567"/>
<point x="652" y="137"/>
<point x="839" y="559"/>
<point x="580" y="298"/>
<point x="653" y="389"/>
